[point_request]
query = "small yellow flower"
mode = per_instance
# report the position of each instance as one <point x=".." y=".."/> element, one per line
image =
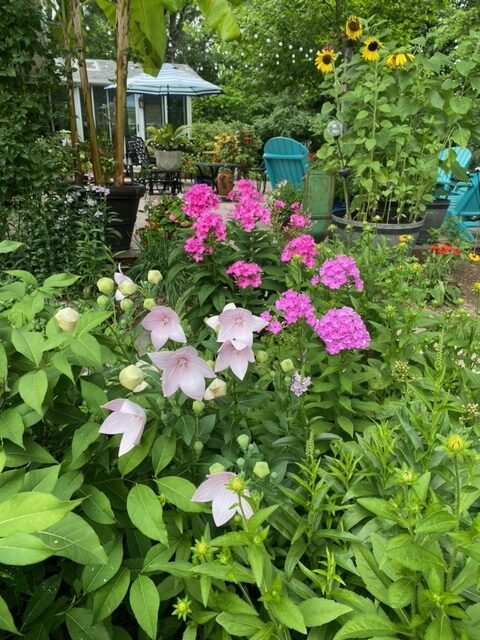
<point x="237" y="485"/>
<point x="325" y="60"/>
<point x="474" y="257"/>
<point x="416" y="266"/>
<point x="476" y="287"/>
<point x="455" y="444"/>
<point x="182" y="609"/>
<point x="353" y="28"/>
<point x="371" y="50"/>
<point x="405" y="239"/>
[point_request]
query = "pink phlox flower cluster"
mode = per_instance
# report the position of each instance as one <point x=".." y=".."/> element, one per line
<point x="273" y="325"/>
<point x="246" y="274"/>
<point x="299" y="384"/>
<point x="295" y="306"/>
<point x="297" y="221"/>
<point x="208" y="226"/>
<point x="337" y="272"/>
<point x="279" y="204"/>
<point x="302" y="247"/>
<point x="342" y="330"/>
<point x="249" y="209"/>
<point x="200" y="199"/>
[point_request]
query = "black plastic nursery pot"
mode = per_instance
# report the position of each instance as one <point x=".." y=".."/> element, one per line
<point x="383" y="231"/>
<point x="434" y="218"/>
<point x="123" y="203"/>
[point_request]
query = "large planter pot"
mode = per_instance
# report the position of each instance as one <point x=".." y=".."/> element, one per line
<point x="434" y="218"/>
<point x="168" y="160"/>
<point x="318" y="201"/>
<point x="123" y="204"/>
<point x="383" y="231"/>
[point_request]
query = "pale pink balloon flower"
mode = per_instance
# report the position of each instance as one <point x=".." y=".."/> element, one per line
<point x="237" y="325"/>
<point x="128" y="419"/>
<point x="227" y="499"/>
<point x="164" y="324"/>
<point x="235" y="356"/>
<point x="182" y="369"/>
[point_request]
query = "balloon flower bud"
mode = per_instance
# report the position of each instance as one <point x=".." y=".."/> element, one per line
<point x="130" y="377"/>
<point x="126" y="305"/>
<point x="216" y="389"/>
<point x="261" y="469"/>
<point x="241" y="462"/>
<point x="106" y="286"/>
<point x="103" y="301"/>
<point x="287" y="365"/>
<point x="127" y="288"/>
<point x="67" y="318"/>
<point x="198" y="407"/>
<point x="154" y="276"/>
<point x="197" y="447"/>
<point x="148" y="303"/>
<point x="243" y="441"/>
<point x="261" y="357"/>
<point x="215" y="468"/>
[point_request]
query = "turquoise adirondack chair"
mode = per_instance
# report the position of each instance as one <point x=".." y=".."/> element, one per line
<point x="444" y="179"/>
<point x="465" y="206"/>
<point x="285" y="159"/>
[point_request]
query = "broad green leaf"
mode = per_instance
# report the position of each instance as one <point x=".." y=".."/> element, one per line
<point x="145" y="511"/>
<point x="11" y="426"/>
<point x="96" y="576"/>
<point x="87" y="350"/>
<point x="163" y="451"/>
<point x="145" y="602"/>
<point x="59" y="281"/>
<point x="110" y="596"/>
<point x="22" y="549"/>
<point x="3" y="459"/>
<point x="232" y="603"/>
<point x="75" y="539"/>
<point x="379" y="507"/>
<point x="268" y="631"/>
<point x="80" y="625"/>
<point x="415" y="557"/>
<point x="240" y="624"/>
<point x="24" y="276"/>
<point x="60" y="362"/>
<point x="30" y="453"/>
<point x="366" y="626"/>
<point x="439" y="522"/>
<point x="179" y="492"/>
<point x="8" y="246"/>
<point x="219" y="16"/>
<point x="440" y="628"/>
<point x="137" y="455"/>
<point x="3" y="364"/>
<point x="43" y="479"/>
<point x="41" y="599"/>
<point x="319" y="611"/>
<point x="256" y="560"/>
<point x="93" y="395"/>
<point x="32" y="511"/>
<point x="30" y="344"/>
<point x="6" y="619"/>
<point x="96" y="505"/>
<point x="83" y="437"/>
<point x="460" y="104"/>
<point x="401" y="593"/>
<point x="32" y="388"/>
<point x="461" y="137"/>
<point x="90" y="320"/>
<point x="288" y="613"/>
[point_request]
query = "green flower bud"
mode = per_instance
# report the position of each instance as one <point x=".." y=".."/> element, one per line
<point x="240" y="462"/>
<point x="154" y="276"/>
<point x="198" y="406"/>
<point x="287" y="366"/>
<point x="127" y="288"/>
<point x="126" y="305"/>
<point x="130" y="377"/>
<point x="243" y="441"/>
<point x="103" y="301"/>
<point x="261" y="469"/>
<point x="149" y="303"/>
<point x="261" y="357"/>
<point x="106" y="286"/>
<point x="215" y="468"/>
<point x="197" y="447"/>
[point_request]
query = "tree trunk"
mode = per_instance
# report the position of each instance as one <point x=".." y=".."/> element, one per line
<point x="87" y="96"/>
<point x="122" y="27"/>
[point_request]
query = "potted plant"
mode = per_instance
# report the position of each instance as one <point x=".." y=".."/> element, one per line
<point x="168" y="143"/>
<point x="390" y="112"/>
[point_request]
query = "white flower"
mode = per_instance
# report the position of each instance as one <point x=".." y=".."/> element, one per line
<point x="67" y="318"/>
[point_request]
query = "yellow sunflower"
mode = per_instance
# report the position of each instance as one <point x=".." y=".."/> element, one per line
<point x="371" y="49"/>
<point x="324" y="60"/>
<point x="353" y="28"/>
<point x="399" y="60"/>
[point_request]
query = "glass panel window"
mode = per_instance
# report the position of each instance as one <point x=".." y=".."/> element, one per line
<point x="177" y="110"/>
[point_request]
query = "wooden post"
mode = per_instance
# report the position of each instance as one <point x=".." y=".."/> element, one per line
<point x="122" y="28"/>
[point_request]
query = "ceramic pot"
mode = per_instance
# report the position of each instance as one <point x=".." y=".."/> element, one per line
<point x="168" y="160"/>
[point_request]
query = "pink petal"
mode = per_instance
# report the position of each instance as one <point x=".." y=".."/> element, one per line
<point x="119" y="277"/>
<point x="170" y="382"/>
<point x="258" y="323"/>
<point x="117" y="423"/>
<point x="177" y="334"/>
<point x="159" y="336"/>
<point x="131" y="437"/>
<point x="239" y="362"/>
<point x="210" y="487"/>
<point x="192" y="383"/>
<point x="157" y="315"/>
<point x="161" y="360"/>
<point x="114" y="405"/>
<point x="212" y="322"/>
<point x="223" y="506"/>
<point x="247" y="509"/>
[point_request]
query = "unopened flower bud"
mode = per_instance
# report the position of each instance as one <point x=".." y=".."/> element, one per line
<point x="154" y="276"/>
<point x="261" y="357"/>
<point x="67" y="318"/>
<point x="103" y="301"/>
<point x="106" y="286"/>
<point x="455" y="444"/>
<point x="287" y="366"/>
<point x="126" y="305"/>
<point x="127" y="288"/>
<point x="240" y="462"/>
<point x="198" y="407"/>
<point x="148" y="303"/>
<point x="197" y="447"/>
<point x="130" y="377"/>
<point x="261" y="469"/>
<point x="216" y="389"/>
<point x="243" y="441"/>
<point x="215" y="468"/>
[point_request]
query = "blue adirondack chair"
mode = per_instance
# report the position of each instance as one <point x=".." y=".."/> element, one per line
<point x="285" y="159"/>
<point x="465" y="206"/>
<point x="444" y="179"/>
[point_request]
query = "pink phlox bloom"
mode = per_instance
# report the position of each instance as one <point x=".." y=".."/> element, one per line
<point x="182" y="369"/>
<point x="266" y="315"/>
<point x="238" y="325"/>
<point x="302" y="247"/>
<point x="208" y="227"/>
<point x="295" y="207"/>
<point x="128" y="419"/>
<point x="120" y="277"/>
<point x="298" y="221"/>
<point x="234" y="356"/>
<point x="275" y="327"/>
<point x="164" y="324"/>
<point x="245" y="274"/>
<point x="337" y="272"/>
<point x="225" y="502"/>
<point x="341" y="330"/>
<point x="249" y="209"/>
<point x="199" y="199"/>
<point x="279" y="204"/>
<point x="295" y="306"/>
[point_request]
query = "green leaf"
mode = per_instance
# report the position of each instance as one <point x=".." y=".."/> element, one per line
<point x="366" y="626"/>
<point x="110" y="596"/>
<point x="439" y="522"/>
<point x="3" y="364"/>
<point x="256" y="560"/>
<point x="179" y="492"/>
<point x="43" y="480"/>
<point x="319" y="611"/>
<point x="24" y="276"/>
<point x="32" y="511"/>
<point x="75" y="539"/>
<point x="96" y="505"/>
<point x="232" y="603"/>
<point x="461" y="137"/>
<point x="41" y="599"/>
<point x="30" y="344"/>
<point x="346" y="424"/>
<point x="379" y="507"/>
<point x="11" y="426"/>
<point x="6" y="619"/>
<point x="240" y="624"/>
<point x="439" y="629"/>
<point x="288" y="613"/>
<point x="163" y="451"/>
<point x="83" y="438"/>
<point x="59" y="281"/>
<point x="81" y="627"/>
<point x="133" y="458"/>
<point x="145" y="603"/>
<point x="60" y="362"/>
<point x="89" y="320"/>
<point x="460" y="104"/>
<point x="8" y="246"/>
<point x="96" y="576"/>
<point x="22" y="549"/>
<point x="414" y="556"/>
<point x="32" y="387"/>
<point x="401" y="593"/>
<point x="219" y="16"/>
<point x="87" y="350"/>
<point x="146" y="513"/>
<point x="370" y="144"/>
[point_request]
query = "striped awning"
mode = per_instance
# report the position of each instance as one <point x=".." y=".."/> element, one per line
<point x="173" y="80"/>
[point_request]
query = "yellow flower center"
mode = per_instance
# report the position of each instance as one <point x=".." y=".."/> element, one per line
<point x="455" y="444"/>
<point x="237" y="485"/>
<point x="202" y="548"/>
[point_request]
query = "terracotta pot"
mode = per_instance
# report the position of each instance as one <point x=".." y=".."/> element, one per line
<point x="224" y="182"/>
